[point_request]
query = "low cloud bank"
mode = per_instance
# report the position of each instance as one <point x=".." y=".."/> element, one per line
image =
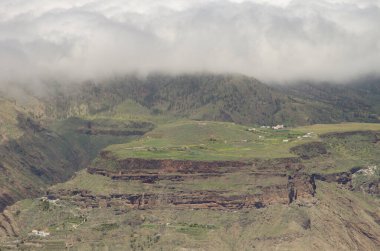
<point x="274" y="41"/>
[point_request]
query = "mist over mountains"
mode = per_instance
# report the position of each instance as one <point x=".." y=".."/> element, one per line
<point x="221" y="97"/>
<point x="274" y="41"/>
<point x="189" y="125"/>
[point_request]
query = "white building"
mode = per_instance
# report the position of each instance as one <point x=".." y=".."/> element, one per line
<point x="277" y="127"/>
<point x="40" y="233"/>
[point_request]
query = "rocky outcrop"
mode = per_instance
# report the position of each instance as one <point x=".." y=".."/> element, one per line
<point x="296" y="187"/>
<point x="371" y="187"/>
<point x="300" y="187"/>
<point x="193" y="199"/>
<point x="153" y="170"/>
<point x="343" y="178"/>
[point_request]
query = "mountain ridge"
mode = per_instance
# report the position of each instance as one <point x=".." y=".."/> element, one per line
<point x="228" y="97"/>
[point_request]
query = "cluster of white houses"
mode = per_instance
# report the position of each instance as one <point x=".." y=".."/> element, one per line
<point x="277" y="127"/>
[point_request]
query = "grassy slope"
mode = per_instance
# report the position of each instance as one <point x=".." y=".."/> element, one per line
<point x="346" y="153"/>
<point x="206" y="140"/>
<point x="197" y="140"/>
<point x="343" y="127"/>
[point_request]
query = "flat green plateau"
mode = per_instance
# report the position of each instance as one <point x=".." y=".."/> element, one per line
<point x="211" y="141"/>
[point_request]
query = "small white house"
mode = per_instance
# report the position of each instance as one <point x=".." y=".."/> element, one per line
<point x="277" y="127"/>
<point x="40" y="233"/>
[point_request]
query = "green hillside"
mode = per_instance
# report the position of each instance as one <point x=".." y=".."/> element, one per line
<point x="35" y="154"/>
<point x="231" y="98"/>
<point x="190" y="162"/>
<point x="208" y="140"/>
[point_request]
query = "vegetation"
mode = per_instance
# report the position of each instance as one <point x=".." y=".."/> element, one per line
<point x="191" y="117"/>
<point x="92" y="135"/>
<point x="167" y="229"/>
<point x="232" y="98"/>
<point x="207" y="140"/>
<point x="345" y="152"/>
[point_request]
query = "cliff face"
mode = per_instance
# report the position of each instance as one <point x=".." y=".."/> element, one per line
<point x="306" y="202"/>
<point x="290" y="188"/>
<point x="299" y="189"/>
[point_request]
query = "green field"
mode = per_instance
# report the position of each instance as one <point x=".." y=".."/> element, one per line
<point x="343" y="127"/>
<point x="205" y="140"/>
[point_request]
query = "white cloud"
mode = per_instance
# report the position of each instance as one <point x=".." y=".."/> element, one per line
<point x="282" y="40"/>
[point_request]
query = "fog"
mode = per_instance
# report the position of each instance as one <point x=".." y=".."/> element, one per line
<point x="274" y="41"/>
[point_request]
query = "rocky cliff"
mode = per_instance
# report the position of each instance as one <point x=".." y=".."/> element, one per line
<point x="297" y="187"/>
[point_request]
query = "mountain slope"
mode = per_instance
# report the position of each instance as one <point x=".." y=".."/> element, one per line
<point x="35" y="155"/>
<point x="44" y="144"/>
<point x="124" y="200"/>
<point x="232" y="98"/>
<point x="32" y="157"/>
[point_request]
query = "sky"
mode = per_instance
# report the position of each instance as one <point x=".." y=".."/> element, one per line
<point x="275" y="41"/>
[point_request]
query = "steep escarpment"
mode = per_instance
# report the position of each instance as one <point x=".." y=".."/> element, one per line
<point x="174" y="183"/>
<point x="299" y="189"/>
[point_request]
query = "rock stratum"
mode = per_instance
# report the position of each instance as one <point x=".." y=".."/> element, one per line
<point x="297" y="187"/>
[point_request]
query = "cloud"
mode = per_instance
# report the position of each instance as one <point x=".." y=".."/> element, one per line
<point x="281" y="41"/>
